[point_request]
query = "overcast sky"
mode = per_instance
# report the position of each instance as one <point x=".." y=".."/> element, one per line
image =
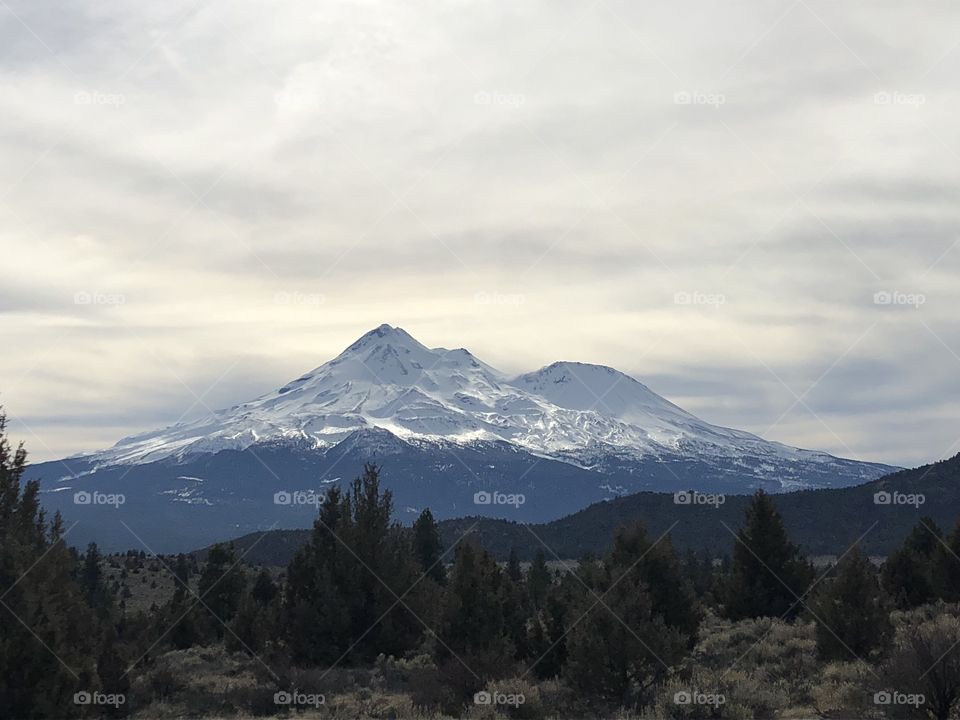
<point x="201" y="200"/>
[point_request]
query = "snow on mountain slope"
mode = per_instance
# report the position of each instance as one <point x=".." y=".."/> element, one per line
<point x="576" y="412"/>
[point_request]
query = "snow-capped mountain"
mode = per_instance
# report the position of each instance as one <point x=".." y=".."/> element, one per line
<point x="445" y="425"/>
<point x="388" y="380"/>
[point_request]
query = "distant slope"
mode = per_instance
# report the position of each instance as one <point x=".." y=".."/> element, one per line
<point x="824" y="522"/>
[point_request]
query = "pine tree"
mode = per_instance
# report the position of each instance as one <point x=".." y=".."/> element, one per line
<point x="49" y="634"/>
<point x="94" y="586"/>
<point x="343" y="586"/>
<point x="698" y="569"/>
<point x="852" y="615"/>
<point x="220" y="589"/>
<point x="538" y="579"/>
<point x="769" y="573"/>
<point x="473" y="613"/>
<point x="478" y="628"/>
<point x="516" y="606"/>
<point x="179" y="614"/>
<point x="475" y="621"/>
<point x="249" y="629"/>
<point x="948" y="567"/>
<point x="513" y="567"/>
<point x="428" y="547"/>
<point x="264" y="590"/>
<point x="627" y="636"/>
<point x="182" y="571"/>
<point x="112" y="671"/>
<point x="546" y="644"/>
<point x="909" y="574"/>
<point x="671" y="596"/>
<point x="317" y="620"/>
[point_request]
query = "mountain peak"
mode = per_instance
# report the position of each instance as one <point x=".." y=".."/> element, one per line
<point x="385" y="335"/>
<point x="386" y="329"/>
<point x="586" y="386"/>
<point x="388" y="382"/>
<point x="574" y="366"/>
<point x="577" y="373"/>
<point x="388" y="332"/>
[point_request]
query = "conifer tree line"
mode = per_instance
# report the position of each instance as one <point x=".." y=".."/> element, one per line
<point x="613" y="629"/>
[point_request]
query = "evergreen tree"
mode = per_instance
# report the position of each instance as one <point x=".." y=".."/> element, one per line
<point x="671" y="596"/>
<point x="547" y="637"/>
<point x="948" y="567"/>
<point x="184" y="631"/>
<point x="475" y="621"/>
<point x="428" y="547"/>
<point x="853" y="619"/>
<point x="94" y="586"/>
<point x="179" y="614"/>
<point x="473" y="612"/>
<point x="316" y="618"/>
<point x="249" y="629"/>
<point x="910" y="573"/>
<point x="769" y="573"/>
<point x="699" y="571"/>
<point x="516" y="607"/>
<point x="49" y="636"/>
<point x="513" y="567"/>
<point x="264" y="590"/>
<point x="349" y="588"/>
<point x="112" y="671"/>
<point x="220" y="589"/>
<point x="182" y="571"/>
<point x="255" y="623"/>
<point x="625" y="635"/>
<point x="538" y="579"/>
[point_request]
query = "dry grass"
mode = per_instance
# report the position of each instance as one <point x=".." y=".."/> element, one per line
<point x="763" y="668"/>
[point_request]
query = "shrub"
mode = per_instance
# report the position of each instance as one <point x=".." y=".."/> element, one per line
<point x="516" y="688"/>
<point x="925" y="659"/>
<point x="844" y="690"/>
<point x="721" y="694"/>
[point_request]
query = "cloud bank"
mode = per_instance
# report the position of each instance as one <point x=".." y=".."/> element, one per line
<point x="752" y="207"/>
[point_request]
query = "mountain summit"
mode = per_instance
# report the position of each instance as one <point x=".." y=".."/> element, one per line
<point x="448" y="425"/>
<point x="390" y="381"/>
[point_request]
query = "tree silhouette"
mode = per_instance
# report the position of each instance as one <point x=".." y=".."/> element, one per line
<point x="769" y="572"/>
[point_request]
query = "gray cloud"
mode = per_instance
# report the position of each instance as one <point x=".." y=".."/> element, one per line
<point x="390" y="162"/>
